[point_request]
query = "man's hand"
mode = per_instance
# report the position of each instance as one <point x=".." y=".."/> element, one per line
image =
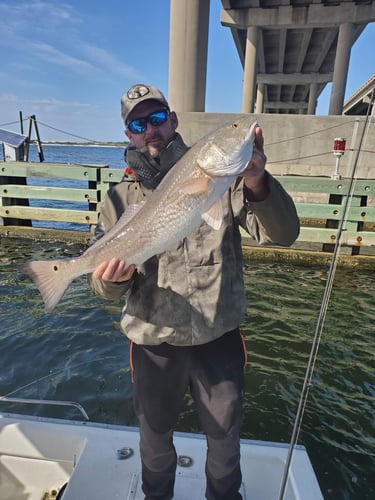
<point x="114" y="270"/>
<point x="254" y="177"/>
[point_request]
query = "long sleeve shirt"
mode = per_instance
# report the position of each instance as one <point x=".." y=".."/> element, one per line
<point x="194" y="293"/>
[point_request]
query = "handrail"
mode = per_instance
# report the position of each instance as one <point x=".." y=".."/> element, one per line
<point x="46" y="402"/>
<point x="319" y="202"/>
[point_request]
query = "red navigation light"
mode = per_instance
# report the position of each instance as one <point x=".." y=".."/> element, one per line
<point x="339" y="146"/>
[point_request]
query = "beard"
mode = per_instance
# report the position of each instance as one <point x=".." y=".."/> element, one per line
<point x="155" y="144"/>
<point x="154" y="152"/>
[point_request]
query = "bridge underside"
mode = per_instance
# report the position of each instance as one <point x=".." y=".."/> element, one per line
<point x="289" y="49"/>
<point x="298" y="47"/>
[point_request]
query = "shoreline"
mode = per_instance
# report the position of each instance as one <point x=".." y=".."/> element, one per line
<point x="83" y="144"/>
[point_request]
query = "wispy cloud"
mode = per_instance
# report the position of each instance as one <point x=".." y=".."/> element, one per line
<point x="60" y="62"/>
<point x="36" y="16"/>
<point x="61" y="115"/>
<point x="48" y="106"/>
<point x="109" y="63"/>
<point x="56" y="33"/>
<point x="52" y="55"/>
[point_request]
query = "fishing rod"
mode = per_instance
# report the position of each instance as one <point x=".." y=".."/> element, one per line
<point x="324" y="306"/>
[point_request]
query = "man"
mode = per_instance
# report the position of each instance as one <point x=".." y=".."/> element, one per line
<point x="184" y="307"/>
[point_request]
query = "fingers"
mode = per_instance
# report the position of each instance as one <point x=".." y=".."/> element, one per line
<point x="254" y="172"/>
<point x="258" y="161"/>
<point x="259" y="140"/>
<point x="114" y="270"/>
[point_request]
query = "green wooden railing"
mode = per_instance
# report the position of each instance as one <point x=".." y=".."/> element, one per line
<point x="320" y="201"/>
<point x="320" y="217"/>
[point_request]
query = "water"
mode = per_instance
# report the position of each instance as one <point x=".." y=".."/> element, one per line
<point x="102" y="155"/>
<point x="78" y="353"/>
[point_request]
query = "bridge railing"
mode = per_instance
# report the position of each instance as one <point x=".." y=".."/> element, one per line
<point x="39" y="199"/>
<point x="321" y="202"/>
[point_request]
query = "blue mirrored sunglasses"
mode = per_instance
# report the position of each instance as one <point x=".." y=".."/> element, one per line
<point x="157" y="118"/>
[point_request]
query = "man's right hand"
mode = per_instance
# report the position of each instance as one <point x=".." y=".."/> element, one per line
<point x="114" y="270"/>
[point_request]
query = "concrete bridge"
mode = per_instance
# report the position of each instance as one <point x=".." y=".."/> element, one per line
<point x="300" y="144"/>
<point x="289" y="49"/>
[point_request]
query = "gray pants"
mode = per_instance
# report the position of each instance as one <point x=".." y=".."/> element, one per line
<point x="214" y="374"/>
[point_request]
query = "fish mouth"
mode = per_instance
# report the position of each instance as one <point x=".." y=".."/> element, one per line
<point x="251" y="131"/>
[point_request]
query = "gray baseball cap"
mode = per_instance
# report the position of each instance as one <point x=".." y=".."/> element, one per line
<point x="138" y="93"/>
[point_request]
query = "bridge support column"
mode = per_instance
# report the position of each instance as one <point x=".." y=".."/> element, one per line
<point x="250" y="70"/>
<point x="340" y="71"/>
<point x="188" y="46"/>
<point x="260" y="98"/>
<point x="313" y="97"/>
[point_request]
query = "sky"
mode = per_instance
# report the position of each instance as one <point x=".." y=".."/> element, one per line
<point x="68" y="63"/>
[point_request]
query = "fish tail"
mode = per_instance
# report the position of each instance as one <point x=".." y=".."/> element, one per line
<point x="52" y="279"/>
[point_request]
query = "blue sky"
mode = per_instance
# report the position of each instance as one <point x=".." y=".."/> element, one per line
<point x="68" y="62"/>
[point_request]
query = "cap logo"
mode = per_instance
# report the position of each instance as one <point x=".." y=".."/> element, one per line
<point x="137" y="91"/>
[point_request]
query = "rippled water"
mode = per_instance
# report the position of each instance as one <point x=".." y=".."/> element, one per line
<point x="339" y="422"/>
<point x="78" y="354"/>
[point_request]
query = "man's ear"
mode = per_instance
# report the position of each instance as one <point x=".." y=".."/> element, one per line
<point x="174" y="119"/>
<point x="127" y="133"/>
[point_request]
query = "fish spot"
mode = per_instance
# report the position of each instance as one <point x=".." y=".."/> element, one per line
<point x="235" y="125"/>
<point x="55" y="268"/>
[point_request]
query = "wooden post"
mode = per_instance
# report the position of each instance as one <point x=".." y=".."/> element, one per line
<point x="38" y="142"/>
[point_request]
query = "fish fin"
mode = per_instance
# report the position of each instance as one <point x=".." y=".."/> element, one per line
<point x="196" y="186"/>
<point x="51" y="280"/>
<point x="214" y="216"/>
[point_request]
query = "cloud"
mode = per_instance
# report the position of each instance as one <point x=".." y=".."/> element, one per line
<point x="42" y="107"/>
<point x="61" y="61"/>
<point x="36" y="16"/>
<point x="108" y="63"/>
<point x="62" y="119"/>
<point x="52" y="55"/>
<point x="56" y="34"/>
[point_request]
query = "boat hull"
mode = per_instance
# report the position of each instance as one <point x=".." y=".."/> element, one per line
<point x="40" y="457"/>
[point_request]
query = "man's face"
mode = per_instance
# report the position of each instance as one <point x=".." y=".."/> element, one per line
<point x="154" y="138"/>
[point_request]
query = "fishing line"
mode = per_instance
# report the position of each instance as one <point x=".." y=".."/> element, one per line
<point x="324" y="306"/>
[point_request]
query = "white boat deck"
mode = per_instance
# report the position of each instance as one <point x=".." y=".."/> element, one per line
<point x="38" y="456"/>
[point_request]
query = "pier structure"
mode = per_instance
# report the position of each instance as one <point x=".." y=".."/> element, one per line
<point x="289" y="49"/>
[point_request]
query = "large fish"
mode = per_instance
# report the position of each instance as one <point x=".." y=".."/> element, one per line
<point x="190" y="193"/>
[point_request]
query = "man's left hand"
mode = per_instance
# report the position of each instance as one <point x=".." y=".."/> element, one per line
<point x="254" y="175"/>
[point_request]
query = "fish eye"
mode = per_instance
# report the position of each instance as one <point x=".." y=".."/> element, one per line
<point x="235" y="125"/>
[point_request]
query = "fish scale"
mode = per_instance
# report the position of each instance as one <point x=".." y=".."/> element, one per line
<point x="189" y="194"/>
